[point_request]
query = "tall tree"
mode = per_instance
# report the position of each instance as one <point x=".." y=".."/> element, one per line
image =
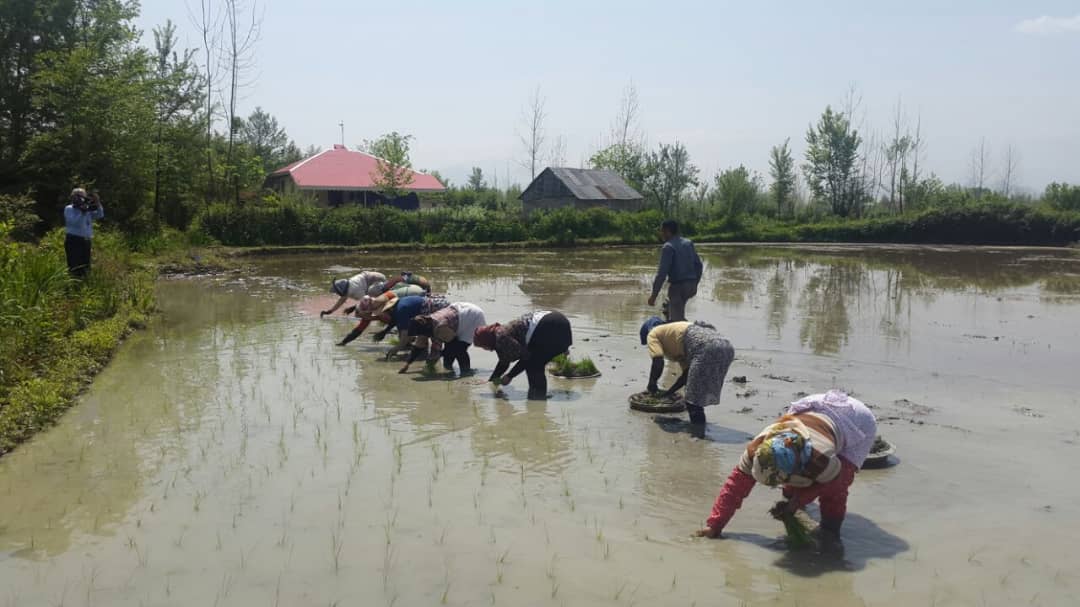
<point x="896" y="152"/>
<point x="476" y="181"/>
<point x="178" y="97"/>
<point x="830" y="168"/>
<point x="980" y="161"/>
<point x="393" y="171"/>
<point x="782" y="171"/>
<point x="534" y="134"/>
<point x="625" y="131"/>
<point x="668" y="174"/>
<point x="242" y="29"/>
<point x="1010" y="166"/>
<point x="266" y="139"/>
<point x="557" y="154"/>
<point x="95" y="104"/>
<point x="737" y="190"/>
<point x="208" y="23"/>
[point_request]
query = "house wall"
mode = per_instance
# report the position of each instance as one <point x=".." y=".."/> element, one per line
<point x="547" y="204"/>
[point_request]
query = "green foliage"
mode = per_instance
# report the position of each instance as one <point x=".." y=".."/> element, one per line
<point x="737" y="190"/>
<point x="627" y="160"/>
<point x="476" y="181"/>
<point x="55" y="332"/>
<point x="18" y="213"/>
<point x="393" y="172"/>
<point x="668" y="175"/>
<point x="564" y="366"/>
<point x="782" y="171"/>
<point x="268" y="142"/>
<point x="832" y="150"/>
<point x="1062" y="196"/>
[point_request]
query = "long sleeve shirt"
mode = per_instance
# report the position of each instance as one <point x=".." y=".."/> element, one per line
<point x="81" y="223"/>
<point x="824" y="469"/>
<point x="679" y="262"/>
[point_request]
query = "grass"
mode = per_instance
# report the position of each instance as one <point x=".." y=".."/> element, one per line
<point x="562" y="365"/>
<point x="56" y="332"/>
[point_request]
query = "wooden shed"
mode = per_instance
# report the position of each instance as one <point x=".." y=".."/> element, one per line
<point x="556" y="188"/>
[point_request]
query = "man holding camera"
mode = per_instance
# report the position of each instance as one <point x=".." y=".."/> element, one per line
<point x="79" y="218"/>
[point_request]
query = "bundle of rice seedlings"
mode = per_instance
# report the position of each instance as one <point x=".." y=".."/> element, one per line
<point x="798" y="535"/>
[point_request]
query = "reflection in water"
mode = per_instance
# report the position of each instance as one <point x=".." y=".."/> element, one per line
<point x="233" y="455"/>
<point x="824" y="303"/>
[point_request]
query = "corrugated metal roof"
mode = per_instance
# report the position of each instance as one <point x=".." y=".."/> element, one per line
<point x="595" y="184"/>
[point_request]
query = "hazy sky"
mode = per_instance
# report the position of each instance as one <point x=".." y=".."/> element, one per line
<point x="728" y="79"/>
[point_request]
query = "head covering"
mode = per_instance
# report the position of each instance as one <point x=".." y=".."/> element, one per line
<point x="783" y="452"/>
<point x="485" y="336"/>
<point x="650" y="323"/>
<point x="340" y="286"/>
<point x="377" y="288"/>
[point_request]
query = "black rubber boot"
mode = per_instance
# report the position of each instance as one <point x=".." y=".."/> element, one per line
<point x="697" y="414"/>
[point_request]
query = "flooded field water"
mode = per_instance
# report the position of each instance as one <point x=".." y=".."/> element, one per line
<point x="233" y="455"/>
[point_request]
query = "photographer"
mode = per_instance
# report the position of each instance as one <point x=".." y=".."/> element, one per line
<point x="79" y="218"/>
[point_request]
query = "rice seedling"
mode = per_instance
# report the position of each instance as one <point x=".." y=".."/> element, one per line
<point x="336" y="542"/>
<point x="607" y="550"/>
<point x="618" y="592"/>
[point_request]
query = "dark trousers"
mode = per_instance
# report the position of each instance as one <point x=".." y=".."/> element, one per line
<point x="77" y="250"/>
<point x="551" y="338"/>
<point x="678" y="294"/>
<point x="456" y="350"/>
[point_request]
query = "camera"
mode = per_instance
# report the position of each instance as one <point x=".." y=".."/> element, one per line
<point x="84" y="203"/>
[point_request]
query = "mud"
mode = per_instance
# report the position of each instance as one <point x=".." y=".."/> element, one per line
<point x="233" y="455"/>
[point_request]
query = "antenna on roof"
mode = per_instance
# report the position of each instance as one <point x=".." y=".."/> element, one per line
<point x="342" y="126"/>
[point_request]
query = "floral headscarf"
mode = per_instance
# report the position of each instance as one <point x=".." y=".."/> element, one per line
<point x="783" y="452"/>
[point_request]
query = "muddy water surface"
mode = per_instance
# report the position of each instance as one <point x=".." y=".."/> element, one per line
<point x="232" y="455"/>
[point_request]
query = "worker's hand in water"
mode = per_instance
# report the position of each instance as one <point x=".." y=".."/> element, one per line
<point x="404" y="370"/>
<point x="505" y="380"/>
<point x="652" y="300"/>
<point x="378" y="337"/>
<point x="349" y="310"/>
<point x="323" y="313"/>
<point x="708" y="532"/>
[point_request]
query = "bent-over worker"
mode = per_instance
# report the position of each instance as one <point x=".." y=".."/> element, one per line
<point x="354" y="288"/>
<point x="700" y="350"/>
<point x="450" y="331"/>
<point x="813" y="451"/>
<point x="533" y="341"/>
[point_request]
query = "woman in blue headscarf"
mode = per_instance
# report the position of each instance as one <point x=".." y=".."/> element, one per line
<point x="813" y="452"/>
<point x="700" y="350"/>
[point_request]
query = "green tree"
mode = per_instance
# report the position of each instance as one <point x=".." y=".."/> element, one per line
<point x="624" y="159"/>
<point x="178" y="91"/>
<point x="1062" y="196"/>
<point x="782" y="171"/>
<point x="737" y="190"/>
<point x="95" y="101"/>
<point x="668" y="174"/>
<point x="266" y="139"/>
<point x="476" y="181"/>
<point x="393" y="171"/>
<point x="831" y="155"/>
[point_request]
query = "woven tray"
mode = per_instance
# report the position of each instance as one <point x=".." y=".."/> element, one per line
<point x="643" y="401"/>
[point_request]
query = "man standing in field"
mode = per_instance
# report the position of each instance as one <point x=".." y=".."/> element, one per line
<point x="681" y="267"/>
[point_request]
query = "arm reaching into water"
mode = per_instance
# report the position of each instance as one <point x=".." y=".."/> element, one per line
<point x="675" y="387"/>
<point x="738" y="486"/>
<point x="654" y="374"/>
<point x="340" y="302"/>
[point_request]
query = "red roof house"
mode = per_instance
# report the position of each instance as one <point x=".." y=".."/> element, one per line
<point x="340" y="175"/>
